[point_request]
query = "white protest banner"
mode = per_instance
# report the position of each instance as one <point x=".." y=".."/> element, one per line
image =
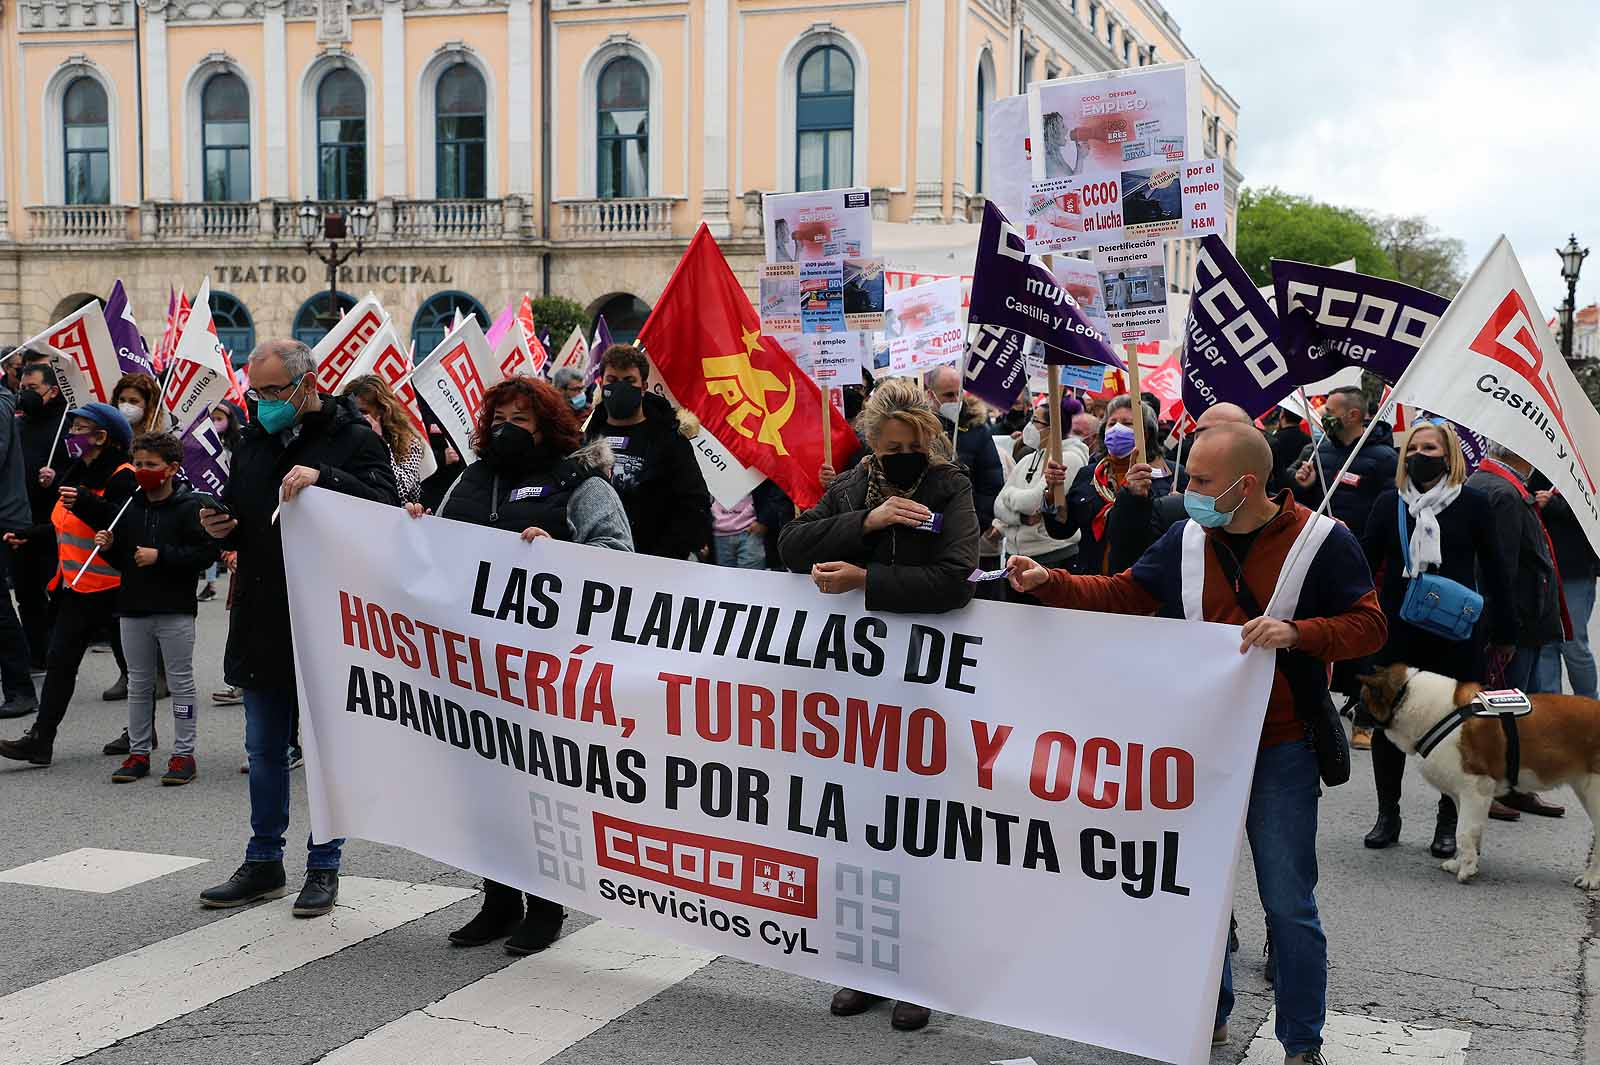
<point x="574" y="354"/>
<point x="512" y="354"/>
<point x="453" y="379"/>
<point x="84" y="337"/>
<point x="830" y="224"/>
<point x="738" y="762"/>
<point x="341" y="345"/>
<point x="1133" y="279"/>
<point x="835" y="358"/>
<point x="198" y="371"/>
<point x="386" y="357"/>
<point x="1492" y="364"/>
<point x="1007" y="161"/>
<point x="780" y="298"/>
<point x="727" y="479"/>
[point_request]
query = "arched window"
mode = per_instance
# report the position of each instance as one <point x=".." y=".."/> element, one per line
<point x="623" y="129"/>
<point x="625" y="315"/>
<point x="435" y="316"/>
<point x="312" y="321"/>
<point x="341" y="136"/>
<point x="460" y="125"/>
<point x="86" y="135"/>
<point x="825" y="120"/>
<point x="225" y="138"/>
<point x="235" y="328"/>
<point x="977" y="154"/>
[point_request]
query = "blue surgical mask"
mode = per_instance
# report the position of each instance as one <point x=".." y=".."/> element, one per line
<point x="1119" y="440"/>
<point x="579" y="401"/>
<point x="1202" y="509"/>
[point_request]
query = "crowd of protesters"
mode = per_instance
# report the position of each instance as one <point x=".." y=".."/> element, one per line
<point x="106" y="543"/>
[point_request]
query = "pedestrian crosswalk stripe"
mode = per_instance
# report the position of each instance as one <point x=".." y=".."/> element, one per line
<point x="96" y="870"/>
<point x="1354" y="1039"/>
<point x="533" y="1010"/>
<point x="84" y="1011"/>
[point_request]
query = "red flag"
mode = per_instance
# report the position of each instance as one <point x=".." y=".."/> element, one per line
<point x="705" y="340"/>
<point x="541" y="357"/>
<point x="177" y="318"/>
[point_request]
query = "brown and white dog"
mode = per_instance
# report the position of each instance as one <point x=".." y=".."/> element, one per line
<point x="1560" y="744"/>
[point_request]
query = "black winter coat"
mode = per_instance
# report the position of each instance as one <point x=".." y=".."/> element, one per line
<point x="908" y="572"/>
<point x="183" y="551"/>
<point x="1469" y="555"/>
<point x="41" y="433"/>
<point x="659" y="479"/>
<point x="975" y="449"/>
<point x="1372" y="471"/>
<point x="1129" y="526"/>
<point x="1531" y="572"/>
<point x="1575" y="558"/>
<point x="349" y="458"/>
<point x="774" y="510"/>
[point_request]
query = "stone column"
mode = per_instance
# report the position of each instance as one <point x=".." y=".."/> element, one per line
<point x="158" y="122"/>
<point x="275" y="89"/>
<point x="930" y="112"/>
<point x="714" y="114"/>
<point x="11" y="292"/>
<point x="394" y="99"/>
<point x="521" y="121"/>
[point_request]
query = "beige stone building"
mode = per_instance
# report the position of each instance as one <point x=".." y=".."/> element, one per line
<point x="568" y="147"/>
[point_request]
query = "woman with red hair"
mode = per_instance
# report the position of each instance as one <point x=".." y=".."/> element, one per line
<point x="532" y="478"/>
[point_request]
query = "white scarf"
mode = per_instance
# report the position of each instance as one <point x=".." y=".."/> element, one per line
<point x="1424" y="507"/>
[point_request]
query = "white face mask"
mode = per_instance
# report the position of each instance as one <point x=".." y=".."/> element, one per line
<point x="1031" y="436"/>
<point x="131" y="411"/>
<point x="951" y="411"/>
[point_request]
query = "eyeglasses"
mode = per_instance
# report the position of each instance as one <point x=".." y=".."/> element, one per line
<point x="274" y="392"/>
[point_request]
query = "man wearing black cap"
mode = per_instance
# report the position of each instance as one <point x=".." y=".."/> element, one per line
<point x="90" y="494"/>
<point x="15" y="514"/>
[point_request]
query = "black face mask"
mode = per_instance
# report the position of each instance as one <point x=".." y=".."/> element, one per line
<point x="903" y="469"/>
<point x="512" y="448"/>
<point x="29" y="401"/>
<point x="622" y="399"/>
<point x="1425" y="469"/>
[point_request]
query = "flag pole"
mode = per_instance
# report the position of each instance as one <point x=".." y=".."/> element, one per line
<point x="57" y="441"/>
<point x="1131" y="353"/>
<point x="92" y="554"/>
<point x="827" y="426"/>
<point x="1316" y="452"/>
<point x="1054" y="374"/>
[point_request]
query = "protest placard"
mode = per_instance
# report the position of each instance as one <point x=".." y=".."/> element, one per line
<point x="923" y="326"/>
<point x="819" y="789"/>
<point x="834" y="223"/>
<point x="779" y="285"/>
<point x="1082" y="281"/>
<point x="1133" y="281"/>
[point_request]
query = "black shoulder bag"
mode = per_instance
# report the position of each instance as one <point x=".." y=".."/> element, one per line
<point x="1308" y="685"/>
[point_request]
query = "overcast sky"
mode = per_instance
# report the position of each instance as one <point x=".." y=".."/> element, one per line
<point x="1484" y="117"/>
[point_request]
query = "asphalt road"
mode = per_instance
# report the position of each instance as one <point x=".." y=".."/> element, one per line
<point x="1500" y="960"/>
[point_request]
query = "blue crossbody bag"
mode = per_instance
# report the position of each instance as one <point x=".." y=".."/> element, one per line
<point x="1433" y="603"/>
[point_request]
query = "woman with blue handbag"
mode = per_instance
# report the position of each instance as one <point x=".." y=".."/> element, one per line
<point x="1442" y="584"/>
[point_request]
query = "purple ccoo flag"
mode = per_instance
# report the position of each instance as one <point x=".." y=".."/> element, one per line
<point x="1336" y="318"/>
<point x="205" y="459"/>
<point x="602" y="341"/>
<point x="1014" y="290"/>
<point x="997" y="367"/>
<point x="125" y="337"/>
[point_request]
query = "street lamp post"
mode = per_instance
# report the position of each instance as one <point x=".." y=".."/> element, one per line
<point x="1572" y="258"/>
<point x="333" y="226"/>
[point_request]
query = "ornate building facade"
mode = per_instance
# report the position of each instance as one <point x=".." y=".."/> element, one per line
<point x="568" y="147"/>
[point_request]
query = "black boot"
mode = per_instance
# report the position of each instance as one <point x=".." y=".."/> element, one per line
<point x="540" y="928"/>
<point x="501" y="912"/>
<point x="28" y="747"/>
<point x="1444" y="830"/>
<point x="1386" y="831"/>
<point x="320" y="892"/>
<point x="251" y="881"/>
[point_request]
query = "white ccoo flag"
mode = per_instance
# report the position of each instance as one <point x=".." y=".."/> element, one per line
<point x="83" y="336"/>
<point x="453" y="379"/>
<point x="198" y="371"/>
<point x="1492" y="365"/>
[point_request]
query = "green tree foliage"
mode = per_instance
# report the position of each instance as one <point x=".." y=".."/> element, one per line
<point x="1276" y="225"/>
<point x="559" y="315"/>
<point x="1421" y="255"/>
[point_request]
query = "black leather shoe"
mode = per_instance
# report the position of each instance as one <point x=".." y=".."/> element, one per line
<point x="1529" y="803"/>
<point x="908" y="1017"/>
<point x="117" y="692"/>
<point x="251" y="881"/>
<point x="501" y="913"/>
<point x="120" y="745"/>
<point x="320" y="892"/>
<point x="19" y="706"/>
<point x="27" y="747"/>
<point x="540" y="928"/>
<point x="847" y="1002"/>
<point x="1386" y="831"/>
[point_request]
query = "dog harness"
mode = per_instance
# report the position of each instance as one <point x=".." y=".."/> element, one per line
<point x="1507" y="704"/>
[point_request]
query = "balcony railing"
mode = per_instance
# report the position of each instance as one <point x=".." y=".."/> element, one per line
<point x="617" y="220"/>
<point x="206" y="221"/>
<point x="449" y="219"/>
<point x="79" y="222"/>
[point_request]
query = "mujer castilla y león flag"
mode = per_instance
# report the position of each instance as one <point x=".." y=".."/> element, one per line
<point x="705" y="340"/>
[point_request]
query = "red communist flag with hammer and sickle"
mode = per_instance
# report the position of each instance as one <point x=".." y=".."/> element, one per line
<point x="705" y="341"/>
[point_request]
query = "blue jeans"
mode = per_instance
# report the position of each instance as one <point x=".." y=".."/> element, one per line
<point x="742" y="550"/>
<point x="1579" y="593"/>
<point x="269" y="720"/>
<point x="1523" y="671"/>
<point x="1281" y="824"/>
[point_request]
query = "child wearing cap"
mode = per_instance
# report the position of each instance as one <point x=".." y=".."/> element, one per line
<point x="90" y="492"/>
<point x="161" y="551"/>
